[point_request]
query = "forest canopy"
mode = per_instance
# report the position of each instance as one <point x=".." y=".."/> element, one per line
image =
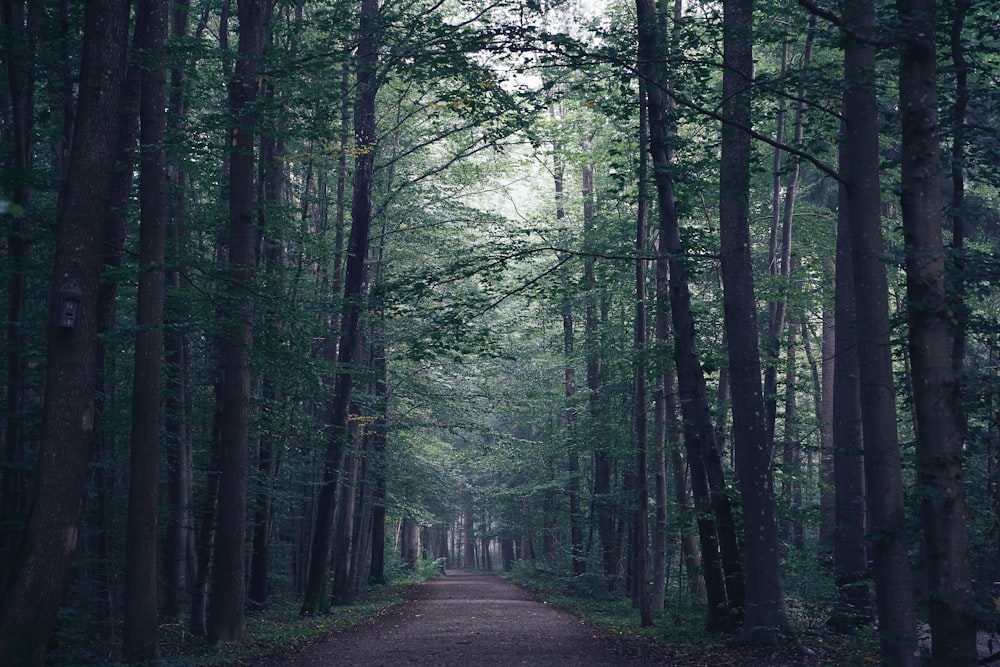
<point x="690" y="305"/>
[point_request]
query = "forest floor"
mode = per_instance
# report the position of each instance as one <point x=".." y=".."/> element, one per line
<point x="475" y="618"/>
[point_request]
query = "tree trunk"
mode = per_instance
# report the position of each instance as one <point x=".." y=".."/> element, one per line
<point x="850" y="563"/>
<point x="699" y="436"/>
<point x="365" y="144"/>
<point x="689" y="543"/>
<point x="765" y="621"/>
<point x="484" y="543"/>
<point x="640" y="414"/>
<point x="343" y="541"/>
<point x="781" y="253"/>
<point x="409" y="544"/>
<point x="824" y="414"/>
<point x="959" y="11"/>
<point x="940" y="437"/>
<point x="569" y="388"/>
<point x="178" y="533"/>
<point x="469" y="537"/>
<point x="791" y="452"/>
<point x="267" y="468"/>
<point x="892" y="571"/>
<point x="226" y="613"/>
<point x="361" y="540"/>
<point x="19" y="40"/>
<point x="271" y="256"/>
<point x="30" y="608"/>
<point x="602" y="464"/>
<point x="139" y="635"/>
<point x="377" y="464"/>
<point x="660" y="416"/>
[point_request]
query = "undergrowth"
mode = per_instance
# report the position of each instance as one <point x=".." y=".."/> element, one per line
<point x="278" y="627"/>
<point x="681" y="626"/>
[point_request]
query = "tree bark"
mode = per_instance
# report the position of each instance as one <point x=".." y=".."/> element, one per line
<point x="781" y="253"/>
<point x="940" y="437"/>
<point x="341" y="590"/>
<point x="602" y="463"/>
<point x="140" y="632"/>
<point x="640" y="418"/>
<point x="569" y="386"/>
<point x="792" y="529"/>
<point x="892" y="571"/>
<point x="377" y="464"/>
<point x="365" y="145"/>
<point x="850" y="564"/>
<point x="959" y="11"/>
<point x="226" y="613"/>
<point x="30" y="608"/>
<point x="19" y="40"/>
<point x="699" y="436"/>
<point x="824" y="414"/>
<point x="764" y="621"/>
<point x="178" y="534"/>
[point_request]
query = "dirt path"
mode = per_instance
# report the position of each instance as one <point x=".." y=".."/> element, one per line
<point x="466" y="618"/>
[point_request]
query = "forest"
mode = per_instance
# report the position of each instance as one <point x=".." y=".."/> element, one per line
<point x="689" y="305"/>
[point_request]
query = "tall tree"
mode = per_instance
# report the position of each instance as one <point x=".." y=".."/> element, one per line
<point x="883" y="474"/>
<point x="19" y="37"/>
<point x="850" y="562"/>
<point x="29" y="611"/>
<point x="602" y="461"/>
<point x="178" y="534"/>
<point x="640" y="410"/>
<point x="139" y="634"/>
<point x="226" y="612"/>
<point x="781" y="234"/>
<point x="959" y="13"/>
<point x="716" y="530"/>
<point x="569" y="373"/>
<point x="765" y="621"/>
<point x="365" y="144"/>
<point x="940" y="437"/>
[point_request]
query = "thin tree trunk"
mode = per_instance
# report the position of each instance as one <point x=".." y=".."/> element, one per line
<point x="824" y="414"/>
<point x="270" y="252"/>
<point x="640" y="543"/>
<point x="341" y="593"/>
<point x="791" y="453"/>
<point x="178" y="533"/>
<point x="959" y="10"/>
<point x="102" y="544"/>
<point x="469" y="542"/>
<point x="689" y="543"/>
<point x="377" y="463"/>
<point x="268" y="462"/>
<point x="361" y="541"/>
<point x="602" y="463"/>
<point x="781" y="261"/>
<point x="140" y="641"/>
<point x="660" y="425"/>
<point x="569" y="383"/>
<point x="19" y="40"/>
